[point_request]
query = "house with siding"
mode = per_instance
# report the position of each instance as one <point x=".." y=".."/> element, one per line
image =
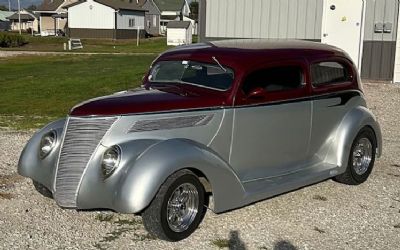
<point x="113" y="19"/>
<point x="152" y="17"/>
<point x="29" y="21"/>
<point x="52" y="16"/>
<point x="5" y="24"/>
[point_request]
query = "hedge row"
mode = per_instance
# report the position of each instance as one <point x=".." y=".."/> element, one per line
<point x="8" y="40"/>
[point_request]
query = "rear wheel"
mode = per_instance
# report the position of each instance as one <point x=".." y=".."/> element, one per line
<point x="361" y="159"/>
<point x="177" y="209"/>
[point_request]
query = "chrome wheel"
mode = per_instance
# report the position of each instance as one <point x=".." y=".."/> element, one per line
<point x="362" y="156"/>
<point x="182" y="207"/>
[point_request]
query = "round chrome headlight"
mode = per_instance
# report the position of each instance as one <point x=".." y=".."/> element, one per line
<point x="110" y="162"/>
<point x="47" y="143"/>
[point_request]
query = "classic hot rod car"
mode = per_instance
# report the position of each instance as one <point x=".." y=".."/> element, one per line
<point x="241" y="120"/>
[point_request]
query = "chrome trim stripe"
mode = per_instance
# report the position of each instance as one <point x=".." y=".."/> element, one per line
<point x="81" y="139"/>
<point x="170" y="123"/>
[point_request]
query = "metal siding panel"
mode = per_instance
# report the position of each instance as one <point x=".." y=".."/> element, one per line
<point x="256" y="21"/>
<point x="265" y="23"/>
<point x="292" y="20"/>
<point x="366" y="60"/>
<point x="274" y="19"/>
<point x="301" y="20"/>
<point x="230" y="18"/>
<point x="376" y="60"/>
<point x="222" y="13"/>
<point x="239" y="25"/>
<point x="379" y="15"/>
<point x="390" y="17"/>
<point x="318" y="19"/>
<point x="310" y="19"/>
<point x="209" y="20"/>
<point x="395" y="20"/>
<point x="283" y="19"/>
<point x="248" y="19"/>
<point x="388" y="55"/>
<point x="369" y="20"/>
<point x="212" y="18"/>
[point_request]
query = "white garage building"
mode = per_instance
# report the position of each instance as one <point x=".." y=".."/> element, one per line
<point x="366" y="29"/>
<point x="179" y="33"/>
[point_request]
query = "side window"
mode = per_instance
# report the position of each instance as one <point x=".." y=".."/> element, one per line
<point x="325" y="73"/>
<point x="275" y="79"/>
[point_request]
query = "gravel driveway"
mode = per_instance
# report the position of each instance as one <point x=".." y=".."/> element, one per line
<point x="323" y="216"/>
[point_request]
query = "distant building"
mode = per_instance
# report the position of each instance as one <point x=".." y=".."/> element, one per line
<point x="28" y="21"/>
<point x="53" y="17"/>
<point x="5" y="24"/>
<point x="171" y="10"/>
<point x="179" y="33"/>
<point x="152" y="16"/>
<point x="113" y="19"/>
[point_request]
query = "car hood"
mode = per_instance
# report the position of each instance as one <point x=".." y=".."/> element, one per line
<point x="145" y="101"/>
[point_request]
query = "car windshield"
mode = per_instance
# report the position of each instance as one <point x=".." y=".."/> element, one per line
<point x="214" y="76"/>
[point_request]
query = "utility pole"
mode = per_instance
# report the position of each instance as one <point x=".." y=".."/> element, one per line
<point x="19" y="16"/>
<point x="9" y="5"/>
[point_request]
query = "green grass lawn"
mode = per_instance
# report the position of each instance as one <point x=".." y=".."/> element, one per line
<point x="37" y="89"/>
<point x="149" y="45"/>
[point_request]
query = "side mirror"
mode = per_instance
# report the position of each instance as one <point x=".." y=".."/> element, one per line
<point x="256" y="93"/>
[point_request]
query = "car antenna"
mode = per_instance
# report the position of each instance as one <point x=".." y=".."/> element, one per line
<point x="222" y="67"/>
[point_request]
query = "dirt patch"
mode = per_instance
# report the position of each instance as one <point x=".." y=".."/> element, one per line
<point x="9" y="181"/>
<point x="6" y="196"/>
<point x="320" y="198"/>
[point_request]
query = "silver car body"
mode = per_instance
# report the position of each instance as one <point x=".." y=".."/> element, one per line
<point x="244" y="156"/>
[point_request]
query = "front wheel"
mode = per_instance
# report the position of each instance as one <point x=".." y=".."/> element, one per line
<point x="177" y="209"/>
<point x="361" y="158"/>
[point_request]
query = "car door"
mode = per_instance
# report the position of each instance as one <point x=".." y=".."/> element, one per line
<point x="272" y="118"/>
<point x="333" y="84"/>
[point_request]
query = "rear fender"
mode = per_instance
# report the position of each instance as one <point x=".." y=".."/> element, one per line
<point x="353" y="122"/>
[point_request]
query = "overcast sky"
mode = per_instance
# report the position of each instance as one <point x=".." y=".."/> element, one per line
<point x="24" y="3"/>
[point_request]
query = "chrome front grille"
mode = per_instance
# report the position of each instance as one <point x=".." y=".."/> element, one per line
<point x="80" y="141"/>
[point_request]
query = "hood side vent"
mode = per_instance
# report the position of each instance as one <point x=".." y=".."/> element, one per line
<point x="171" y="123"/>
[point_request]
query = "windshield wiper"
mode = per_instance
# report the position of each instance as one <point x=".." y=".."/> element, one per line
<point x="220" y="65"/>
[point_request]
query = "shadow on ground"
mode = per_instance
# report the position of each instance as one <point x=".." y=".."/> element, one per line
<point x="236" y="243"/>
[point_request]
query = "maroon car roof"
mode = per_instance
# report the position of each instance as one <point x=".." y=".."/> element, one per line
<point x="246" y="52"/>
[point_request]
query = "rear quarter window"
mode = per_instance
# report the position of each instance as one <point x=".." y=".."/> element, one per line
<point x="327" y="73"/>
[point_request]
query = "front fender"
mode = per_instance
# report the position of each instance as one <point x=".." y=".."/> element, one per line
<point x="151" y="169"/>
<point x="351" y="124"/>
<point x="32" y="166"/>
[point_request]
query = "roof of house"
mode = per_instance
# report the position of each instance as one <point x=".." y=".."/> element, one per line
<point x="115" y="4"/>
<point x="178" y="24"/>
<point x="5" y="14"/>
<point x="169" y="5"/>
<point x="24" y="17"/>
<point x="50" y="5"/>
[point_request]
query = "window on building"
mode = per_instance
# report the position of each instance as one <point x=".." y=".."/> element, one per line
<point x="154" y="21"/>
<point x="274" y="79"/>
<point x="325" y="73"/>
<point x="132" y="22"/>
